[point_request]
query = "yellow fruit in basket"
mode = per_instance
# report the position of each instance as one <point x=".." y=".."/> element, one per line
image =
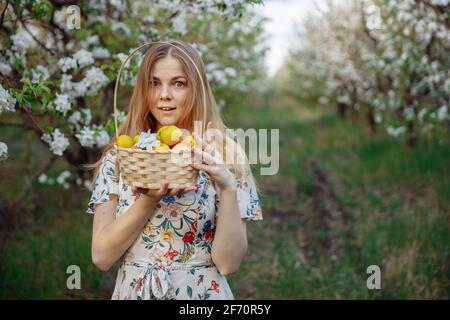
<point x="136" y="139"/>
<point x="124" y="141"/>
<point x="187" y="144"/>
<point x="180" y="146"/>
<point x="169" y="135"/>
<point x="190" y="141"/>
<point x="162" y="146"/>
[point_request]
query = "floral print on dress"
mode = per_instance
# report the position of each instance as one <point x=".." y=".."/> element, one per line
<point x="171" y="258"/>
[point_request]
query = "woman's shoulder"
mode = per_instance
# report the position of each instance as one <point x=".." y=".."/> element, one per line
<point x="108" y="157"/>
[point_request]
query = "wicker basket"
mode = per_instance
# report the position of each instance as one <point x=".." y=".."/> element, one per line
<point x="149" y="169"/>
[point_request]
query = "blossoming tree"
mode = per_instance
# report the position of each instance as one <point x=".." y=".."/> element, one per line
<point x="386" y="58"/>
<point x="58" y="65"/>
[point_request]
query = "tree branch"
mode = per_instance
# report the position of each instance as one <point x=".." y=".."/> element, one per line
<point x="3" y="13"/>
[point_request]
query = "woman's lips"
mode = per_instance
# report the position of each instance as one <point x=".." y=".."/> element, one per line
<point x="166" y="109"/>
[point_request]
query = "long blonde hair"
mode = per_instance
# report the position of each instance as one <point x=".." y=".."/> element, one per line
<point x="139" y="118"/>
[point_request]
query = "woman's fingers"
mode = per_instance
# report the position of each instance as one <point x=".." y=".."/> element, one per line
<point x="215" y="133"/>
<point x="182" y="189"/>
<point x="164" y="188"/>
<point x="176" y="191"/>
<point x="202" y="167"/>
<point x="199" y="140"/>
<point x="205" y="157"/>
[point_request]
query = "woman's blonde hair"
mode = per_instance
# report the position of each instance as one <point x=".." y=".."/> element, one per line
<point x="139" y="117"/>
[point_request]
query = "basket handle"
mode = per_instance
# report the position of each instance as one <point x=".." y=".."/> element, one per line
<point x="130" y="56"/>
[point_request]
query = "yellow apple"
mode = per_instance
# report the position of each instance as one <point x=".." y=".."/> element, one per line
<point x="169" y="135"/>
<point x="124" y="141"/>
<point x="162" y="146"/>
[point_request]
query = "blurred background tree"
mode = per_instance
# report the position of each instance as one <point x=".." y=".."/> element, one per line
<point x="385" y="59"/>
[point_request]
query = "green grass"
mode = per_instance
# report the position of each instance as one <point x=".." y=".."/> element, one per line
<point x="35" y="259"/>
<point x="393" y="204"/>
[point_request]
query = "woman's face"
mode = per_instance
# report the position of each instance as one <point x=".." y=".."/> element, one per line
<point x="170" y="91"/>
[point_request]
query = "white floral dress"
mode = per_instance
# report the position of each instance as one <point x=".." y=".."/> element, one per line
<point x="171" y="258"/>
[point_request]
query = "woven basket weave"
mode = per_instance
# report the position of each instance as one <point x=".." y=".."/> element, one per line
<point x="149" y="169"/>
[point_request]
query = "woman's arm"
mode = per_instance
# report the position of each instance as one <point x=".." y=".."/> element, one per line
<point x="230" y="240"/>
<point x="111" y="237"/>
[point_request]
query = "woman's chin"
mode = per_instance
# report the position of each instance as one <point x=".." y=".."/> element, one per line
<point x="167" y="121"/>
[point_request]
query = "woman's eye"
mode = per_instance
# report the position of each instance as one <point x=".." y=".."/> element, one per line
<point x="154" y="83"/>
<point x="179" y="84"/>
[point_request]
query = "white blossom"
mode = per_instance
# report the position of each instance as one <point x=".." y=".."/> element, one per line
<point x="83" y="57"/>
<point x="421" y="114"/>
<point x="88" y="185"/>
<point x="3" y="151"/>
<point x="148" y="19"/>
<point x="409" y="114"/>
<point x="378" y="117"/>
<point x="95" y="79"/>
<point x="442" y="113"/>
<point x="218" y="76"/>
<point x="101" y="53"/>
<point x="87" y="115"/>
<point x="395" y="132"/>
<point x="102" y="139"/>
<point x="79" y="88"/>
<point x="67" y="63"/>
<point x="120" y="5"/>
<point x="61" y="179"/>
<point x="199" y="48"/>
<point x="440" y="2"/>
<point x="62" y="103"/>
<point x="40" y="70"/>
<point x="179" y="25"/>
<point x="22" y="40"/>
<point x="86" y="137"/>
<point x="91" y="40"/>
<point x="5" y="68"/>
<point x="231" y="72"/>
<point x="121" y="26"/>
<point x="57" y="141"/>
<point x="7" y="102"/>
<point x="221" y="103"/>
<point x="148" y="140"/>
<point x="122" y="57"/>
<point x="42" y="178"/>
<point x="323" y="101"/>
<point x="66" y="85"/>
<point x="75" y="118"/>
<point x="121" y="116"/>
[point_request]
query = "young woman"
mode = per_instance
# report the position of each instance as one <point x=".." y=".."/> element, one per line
<point x="180" y="243"/>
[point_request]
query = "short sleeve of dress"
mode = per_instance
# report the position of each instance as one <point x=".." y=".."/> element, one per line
<point x="248" y="199"/>
<point x="105" y="184"/>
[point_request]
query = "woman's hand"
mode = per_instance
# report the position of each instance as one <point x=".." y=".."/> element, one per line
<point x="215" y="165"/>
<point x="157" y="194"/>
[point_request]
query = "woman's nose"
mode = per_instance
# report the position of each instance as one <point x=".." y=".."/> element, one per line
<point x="165" y="92"/>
